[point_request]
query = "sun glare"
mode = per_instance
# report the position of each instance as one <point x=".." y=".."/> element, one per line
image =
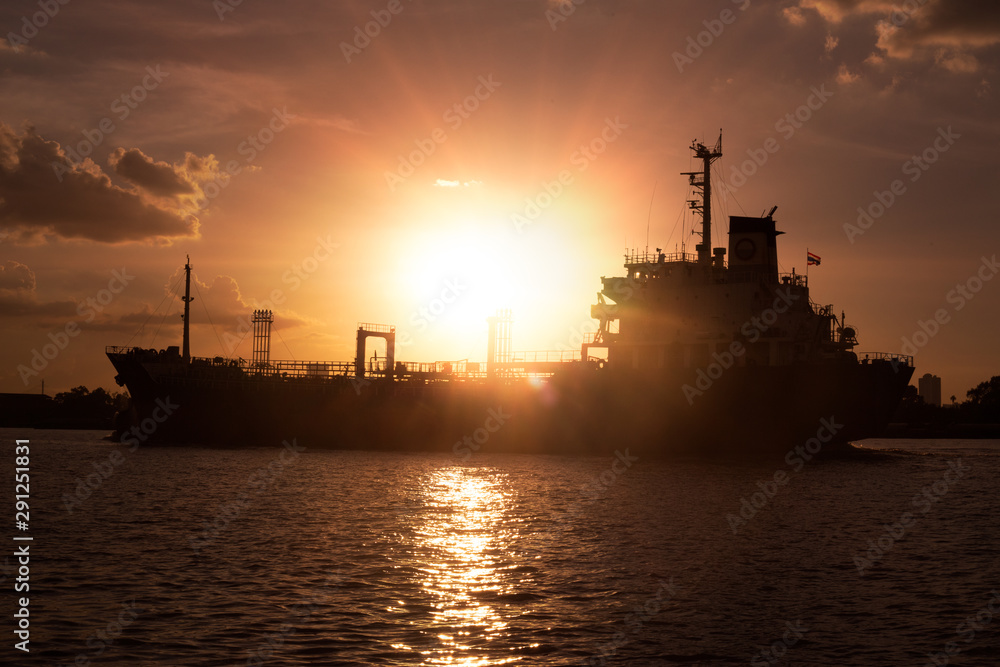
<point x="461" y="260"/>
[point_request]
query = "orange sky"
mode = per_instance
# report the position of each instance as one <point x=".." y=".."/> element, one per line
<point x="375" y="178"/>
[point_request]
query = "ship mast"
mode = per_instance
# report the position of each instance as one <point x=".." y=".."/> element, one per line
<point x="186" y="350"/>
<point x="703" y="181"/>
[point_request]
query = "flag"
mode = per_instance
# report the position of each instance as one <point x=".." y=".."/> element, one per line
<point x="811" y="259"/>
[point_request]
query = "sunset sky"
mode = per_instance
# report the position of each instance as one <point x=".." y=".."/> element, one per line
<point x="340" y="177"/>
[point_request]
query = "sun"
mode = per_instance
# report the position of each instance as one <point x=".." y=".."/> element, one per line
<point x="461" y="259"/>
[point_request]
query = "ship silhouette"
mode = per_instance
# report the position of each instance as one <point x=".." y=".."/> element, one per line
<point x="693" y="354"/>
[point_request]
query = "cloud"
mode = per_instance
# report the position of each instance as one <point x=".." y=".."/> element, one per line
<point x="222" y="304"/>
<point x="16" y="277"/>
<point x="443" y="183"/>
<point x="942" y="31"/>
<point x="220" y="301"/>
<point x="960" y="63"/>
<point x="836" y="11"/>
<point x="845" y="76"/>
<point x="40" y="313"/>
<point x="957" y="23"/>
<point x="18" y="298"/>
<point x="158" y="178"/>
<point x="794" y="16"/>
<point x="831" y="43"/>
<point x="43" y="192"/>
<point x="19" y="50"/>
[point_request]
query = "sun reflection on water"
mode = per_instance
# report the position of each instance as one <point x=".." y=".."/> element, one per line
<point x="461" y="541"/>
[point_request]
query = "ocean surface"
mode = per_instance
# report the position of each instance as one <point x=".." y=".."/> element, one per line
<point x="185" y="556"/>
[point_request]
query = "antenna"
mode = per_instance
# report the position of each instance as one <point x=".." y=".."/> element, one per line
<point x="701" y="181"/>
<point x="187" y="299"/>
<point x="650" y="215"/>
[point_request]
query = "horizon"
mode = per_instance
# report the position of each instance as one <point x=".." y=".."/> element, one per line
<point x="365" y="173"/>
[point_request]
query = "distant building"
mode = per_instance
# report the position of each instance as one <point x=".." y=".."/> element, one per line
<point x="929" y="388"/>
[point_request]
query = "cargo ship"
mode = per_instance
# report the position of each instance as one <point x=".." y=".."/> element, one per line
<point x="694" y="353"/>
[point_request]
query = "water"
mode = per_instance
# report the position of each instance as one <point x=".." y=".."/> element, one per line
<point x="233" y="557"/>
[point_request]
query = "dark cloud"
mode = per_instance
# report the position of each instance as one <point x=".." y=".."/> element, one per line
<point x="16" y="277"/>
<point x="18" y="298"/>
<point x="45" y="192"/>
<point x="945" y="31"/>
<point x="157" y="178"/>
<point x="42" y="313"/>
<point x="959" y="26"/>
<point x="968" y="17"/>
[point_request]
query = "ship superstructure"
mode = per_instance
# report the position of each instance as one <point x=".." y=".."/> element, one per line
<point x="681" y="309"/>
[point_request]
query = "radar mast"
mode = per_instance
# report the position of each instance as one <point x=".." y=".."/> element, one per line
<point x="702" y="182"/>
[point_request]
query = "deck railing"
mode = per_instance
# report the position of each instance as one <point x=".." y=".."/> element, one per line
<point x="521" y="365"/>
<point x="891" y="357"/>
<point x="376" y="328"/>
<point x="548" y="356"/>
<point x="636" y="257"/>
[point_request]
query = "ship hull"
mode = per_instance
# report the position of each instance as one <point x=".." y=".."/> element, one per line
<point x="582" y="409"/>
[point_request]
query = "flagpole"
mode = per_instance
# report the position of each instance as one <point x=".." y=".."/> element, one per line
<point x="807" y="266"/>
